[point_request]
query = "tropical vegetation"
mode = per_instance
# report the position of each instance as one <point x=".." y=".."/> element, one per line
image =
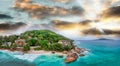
<point x="40" y="39"/>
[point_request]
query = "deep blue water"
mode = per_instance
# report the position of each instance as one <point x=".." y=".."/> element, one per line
<point x="102" y="53"/>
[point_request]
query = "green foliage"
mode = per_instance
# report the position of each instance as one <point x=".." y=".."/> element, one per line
<point x="59" y="47"/>
<point x="37" y="48"/>
<point x="47" y="40"/>
<point x="0" y="43"/>
<point x="56" y="47"/>
<point x="13" y="46"/>
<point x="12" y="38"/>
<point x="45" y="35"/>
<point x="67" y="48"/>
<point x="43" y="43"/>
<point x="5" y="47"/>
<point x="32" y="42"/>
<point x="26" y="47"/>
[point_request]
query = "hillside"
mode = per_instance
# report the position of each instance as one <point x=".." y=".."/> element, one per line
<point x="39" y="39"/>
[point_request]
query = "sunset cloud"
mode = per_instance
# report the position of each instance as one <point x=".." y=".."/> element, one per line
<point x="68" y="17"/>
<point x="63" y="1"/>
<point x="64" y="25"/>
<point x="95" y="31"/>
<point x="39" y="10"/>
<point x="111" y="14"/>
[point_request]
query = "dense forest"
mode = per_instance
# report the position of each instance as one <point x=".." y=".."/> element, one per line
<point x="39" y="39"/>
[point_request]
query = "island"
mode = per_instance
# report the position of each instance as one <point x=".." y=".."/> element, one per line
<point x="104" y="38"/>
<point x="37" y="40"/>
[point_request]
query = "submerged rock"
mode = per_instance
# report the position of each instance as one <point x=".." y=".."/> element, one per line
<point x="65" y="52"/>
<point x="53" y="52"/>
<point x="71" y="57"/>
<point x="60" y="56"/>
<point x="82" y="55"/>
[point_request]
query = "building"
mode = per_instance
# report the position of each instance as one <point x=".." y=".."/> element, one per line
<point x="6" y="44"/>
<point x="64" y="42"/>
<point x="20" y="42"/>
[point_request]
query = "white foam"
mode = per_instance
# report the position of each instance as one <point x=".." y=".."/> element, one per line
<point x="28" y="57"/>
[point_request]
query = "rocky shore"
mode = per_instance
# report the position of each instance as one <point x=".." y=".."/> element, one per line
<point x="71" y="56"/>
<point x="74" y="54"/>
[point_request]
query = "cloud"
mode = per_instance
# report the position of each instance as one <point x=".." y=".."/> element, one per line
<point x="39" y="11"/>
<point x="111" y="14"/>
<point x="9" y="26"/>
<point x="95" y="31"/>
<point x="62" y="1"/>
<point x="77" y="10"/>
<point x="108" y="32"/>
<point x="4" y="16"/>
<point x="62" y="17"/>
<point x="65" y="25"/>
<point x="92" y="31"/>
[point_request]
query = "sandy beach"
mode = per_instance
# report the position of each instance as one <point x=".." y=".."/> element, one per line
<point x="30" y="55"/>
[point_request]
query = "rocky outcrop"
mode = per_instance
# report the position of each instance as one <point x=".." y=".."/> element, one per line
<point x="82" y="55"/>
<point x="65" y="52"/>
<point x="60" y="55"/>
<point x="79" y="50"/>
<point x="53" y="52"/>
<point x="71" y="57"/>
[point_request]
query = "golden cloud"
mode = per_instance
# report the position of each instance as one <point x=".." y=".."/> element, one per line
<point x="38" y="10"/>
<point x="95" y="31"/>
<point x="64" y="25"/>
<point x="111" y="15"/>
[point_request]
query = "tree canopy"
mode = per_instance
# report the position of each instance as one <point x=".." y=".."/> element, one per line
<point x="45" y="39"/>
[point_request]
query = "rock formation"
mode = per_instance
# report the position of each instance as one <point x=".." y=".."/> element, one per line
<point x="71" y="57"/>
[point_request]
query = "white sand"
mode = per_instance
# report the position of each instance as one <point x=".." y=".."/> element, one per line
<point x="30" y="55"/>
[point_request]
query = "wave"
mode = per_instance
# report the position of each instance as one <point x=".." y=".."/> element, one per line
<point x="7" y="59"/>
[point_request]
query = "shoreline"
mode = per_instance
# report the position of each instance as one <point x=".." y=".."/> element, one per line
<point x="30" y="55"/>
<point x="41" y="52"/>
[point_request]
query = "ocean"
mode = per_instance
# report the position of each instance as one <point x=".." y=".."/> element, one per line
<point x="102" y="53"/>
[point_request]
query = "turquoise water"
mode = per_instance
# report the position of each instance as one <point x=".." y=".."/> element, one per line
<point x="102" y="53"/>
<point x="7" y="59"/>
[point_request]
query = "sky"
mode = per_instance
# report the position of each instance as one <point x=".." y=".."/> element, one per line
<point x="75" y="19"/>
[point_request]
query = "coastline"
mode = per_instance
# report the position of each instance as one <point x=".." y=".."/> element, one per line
<point x="30" y="55"/>
<point x="97" y="55"/>
<point x="41" y="52"/>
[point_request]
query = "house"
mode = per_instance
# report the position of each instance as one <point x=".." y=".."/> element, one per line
<point x="29" y="37"/>
<point x="64" y="42"/>
<point x="6" y="44"/>
<point x="20" y="42"/>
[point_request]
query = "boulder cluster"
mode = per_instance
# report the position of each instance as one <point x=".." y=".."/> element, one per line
<point x="73" y="55"/>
